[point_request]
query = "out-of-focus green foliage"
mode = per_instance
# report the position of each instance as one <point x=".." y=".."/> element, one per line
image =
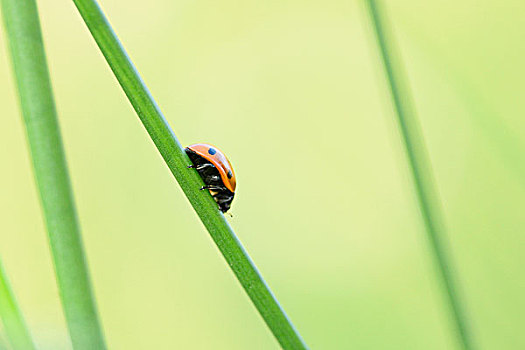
<point x="22" y="27"/>
<point x="13" y="322"/>
<point x="422" y="173"/>
<point x="293" y="92"/>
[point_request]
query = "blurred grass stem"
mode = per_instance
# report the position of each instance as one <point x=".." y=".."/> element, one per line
<point x="427" y="195"/>
<point x="49" y="164"/>
<point x="190" y="182"/>
<point x="14" y="324"/>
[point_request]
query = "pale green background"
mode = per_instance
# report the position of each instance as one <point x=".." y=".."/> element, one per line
<point x="294" y="93"/>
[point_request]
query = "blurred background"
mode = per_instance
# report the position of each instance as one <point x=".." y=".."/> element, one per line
<point x="294" y="93"/>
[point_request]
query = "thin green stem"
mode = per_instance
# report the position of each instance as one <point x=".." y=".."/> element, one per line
<point x="419" y="161"/>
<point x="38" y="109"/>
<point x="177" y="161"/>
<point x="14" y="324"/>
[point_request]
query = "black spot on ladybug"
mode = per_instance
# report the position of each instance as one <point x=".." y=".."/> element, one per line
<point x="229" y="174"/>
<point x="212" y="151"/>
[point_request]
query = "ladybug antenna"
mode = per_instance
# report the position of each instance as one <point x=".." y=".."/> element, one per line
<point x="229" y="214"/>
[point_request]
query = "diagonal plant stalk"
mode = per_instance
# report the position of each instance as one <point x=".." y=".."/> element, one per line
<point x="49" y="164"/>
<point x="419" y="162"/>
<point x="14" y="324"/>
<point x="177" y="161"/>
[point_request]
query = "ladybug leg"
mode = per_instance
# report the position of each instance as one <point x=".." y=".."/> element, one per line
<point x="221" y="200"/>
<point x="204" y="166"/>
<point x="213" y="188"/>
<point x="199" y="167"/>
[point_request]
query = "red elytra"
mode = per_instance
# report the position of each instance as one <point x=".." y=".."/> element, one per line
<point x="219" y="160"/>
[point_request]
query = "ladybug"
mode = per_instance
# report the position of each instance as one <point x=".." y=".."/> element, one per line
<point x="216" y="172"/>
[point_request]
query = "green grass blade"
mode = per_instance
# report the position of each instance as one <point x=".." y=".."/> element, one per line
<point x="14" y="324"/>
<point x="177" y="161"/>
<point x="38" y="109"/>
<point x="429" y="201"/>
